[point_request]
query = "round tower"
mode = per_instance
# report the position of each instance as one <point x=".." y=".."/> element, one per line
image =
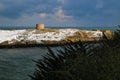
<point x="39" y="26"/>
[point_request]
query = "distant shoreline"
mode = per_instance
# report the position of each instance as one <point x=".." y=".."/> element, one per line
<point x="32" y="27"/>
<point x="48" y="37"/>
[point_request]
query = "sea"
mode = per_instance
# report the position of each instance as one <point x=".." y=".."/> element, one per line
<point x="17" y="63"/>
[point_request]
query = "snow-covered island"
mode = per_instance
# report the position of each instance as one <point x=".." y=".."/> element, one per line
<point x="46" y="36"/>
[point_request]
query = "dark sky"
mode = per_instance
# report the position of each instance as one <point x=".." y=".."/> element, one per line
<point x="60" y="12"/>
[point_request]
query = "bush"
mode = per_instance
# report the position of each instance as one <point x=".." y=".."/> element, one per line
<point x="82" y="61"/>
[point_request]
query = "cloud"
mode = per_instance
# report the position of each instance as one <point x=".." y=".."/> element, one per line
<point x="60" y="14"/>
<point x="1" y="7"/>
<point x="16" y="8"/>
<point x="62" y="1"/>
<point x="99" y="4"/>
<point x="67" y="11"/>
<point x="43" y="15"/>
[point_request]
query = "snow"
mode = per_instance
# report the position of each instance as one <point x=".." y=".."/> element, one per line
<point x="23" y="35"/>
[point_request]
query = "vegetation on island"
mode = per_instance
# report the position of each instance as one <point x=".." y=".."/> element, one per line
<point x="82" y="61"/>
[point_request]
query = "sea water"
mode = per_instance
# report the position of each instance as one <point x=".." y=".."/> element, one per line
<point x="17" y="63"/>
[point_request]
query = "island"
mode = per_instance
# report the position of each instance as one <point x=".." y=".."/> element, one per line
<point x="48" y="37"/>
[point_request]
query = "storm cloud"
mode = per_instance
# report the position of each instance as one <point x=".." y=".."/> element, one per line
<point x="15" y="8"/>
<point x="79" y="12"/>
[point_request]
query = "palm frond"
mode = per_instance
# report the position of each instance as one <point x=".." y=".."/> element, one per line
<point x="80" y="61"/>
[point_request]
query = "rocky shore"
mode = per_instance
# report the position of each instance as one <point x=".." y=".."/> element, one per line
<point x="48" y="37"/>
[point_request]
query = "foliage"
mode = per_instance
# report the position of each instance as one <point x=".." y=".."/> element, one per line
<point x="82" y="61"/>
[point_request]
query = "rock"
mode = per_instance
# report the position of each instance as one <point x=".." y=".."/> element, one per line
<point x="108" y="34"/>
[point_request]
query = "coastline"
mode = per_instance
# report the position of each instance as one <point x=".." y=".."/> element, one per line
<point x="48" y="37"/>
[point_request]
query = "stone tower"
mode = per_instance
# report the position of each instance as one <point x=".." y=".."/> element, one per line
<point x="39" y="26"/>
